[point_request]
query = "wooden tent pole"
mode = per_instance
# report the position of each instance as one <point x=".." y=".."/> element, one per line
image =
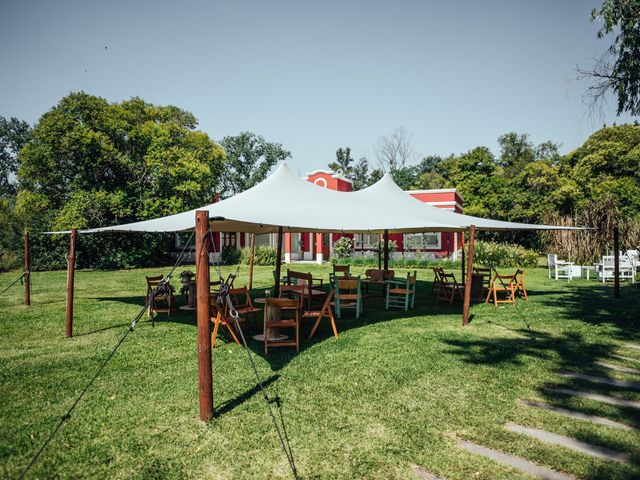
<point x="27" y="271"/>
<point x="71" y="270"/>
<point x="276" y="288"/>
<point x="205" y="372"/>
<point x="616" y="262"/>
<point x="386" y="250"/>
<point x="379" y="252"/>
<point x="467" y="284"/>
<point x="253" y="246"/>
<point x="463" y="264"/>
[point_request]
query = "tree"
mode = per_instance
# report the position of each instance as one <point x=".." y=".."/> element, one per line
<point x="606" y="165"/>
<point x="360" y="174"/>
<point x="618" y="69"/>
<point x="343" y="163"/>
<point x="516" y="151"/>
<point x="14" y="134"/>
<point x="92" y="163"/>
<point x="395" y="150"/>
<point x="249" y="158"/>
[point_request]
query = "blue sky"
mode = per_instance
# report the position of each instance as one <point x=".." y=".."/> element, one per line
<point x="316" y="76"/>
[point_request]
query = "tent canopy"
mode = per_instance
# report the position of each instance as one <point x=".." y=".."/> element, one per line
<point x="288" y="201"/>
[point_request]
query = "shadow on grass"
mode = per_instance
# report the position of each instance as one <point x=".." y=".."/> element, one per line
<point x="229" y="405"/>
<point x="570" y="351"/>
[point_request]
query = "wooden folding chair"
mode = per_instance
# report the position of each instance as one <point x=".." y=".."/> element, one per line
<point x="502" y="284"/>
<point x="162" y="296"/>
<point x="243" y="303"/>
<point x="437" y="279"/>
<point x="344" y="270"/>
<point x="324" y="312"/>
<point x="274" y="319"/>
<point x="220" y="317"/>
<point x="521" y="289"/>
<point x="487" y="273"/>
<point x="449" y="288"/>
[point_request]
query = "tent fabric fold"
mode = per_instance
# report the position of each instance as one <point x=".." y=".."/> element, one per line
<point x="288" y="201"/>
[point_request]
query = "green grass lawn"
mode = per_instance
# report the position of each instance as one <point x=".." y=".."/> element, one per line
<point x="396" y="389"/>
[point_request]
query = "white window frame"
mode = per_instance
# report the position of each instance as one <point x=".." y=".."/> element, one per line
<point x="359" y="244"/>
<point x="407" y="243"/>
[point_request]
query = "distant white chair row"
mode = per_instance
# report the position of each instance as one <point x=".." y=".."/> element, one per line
<point x="628" y="264"/>
<point x="559" y="268"/>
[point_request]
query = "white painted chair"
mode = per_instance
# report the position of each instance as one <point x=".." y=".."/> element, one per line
<point x="606" y="268"/>
<point x="559" y="268"/>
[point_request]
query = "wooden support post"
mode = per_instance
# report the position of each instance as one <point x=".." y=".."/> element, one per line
<point x="467" y="283"/>
<point x="205" y="372"/>
<point x="253" y="247"/>
<point x="71" y="270"/>
<point x="276" y="288"/>
<point x="379" y="252"/>
<point x="616" y="262"/>
<point x="463" y="264"/>
<point x="27" y="271"/>
<point x="386" y="250"/>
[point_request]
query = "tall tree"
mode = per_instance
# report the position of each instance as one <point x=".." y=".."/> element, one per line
<point x="14" y="134"/>
<point x="618" y="69"/>
<point x="395" y="150"/>
<point x="249" y="158"/>
<point x="93" y="163"/>
<point x="360" y="174"/>
<point x="343" y="162"/>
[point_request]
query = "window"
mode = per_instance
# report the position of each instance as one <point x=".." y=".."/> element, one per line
<point x="265" y="239"/>
<point x="422" y="241"/>
<point x="229" y="239"/>
<point x="365" y="240"/>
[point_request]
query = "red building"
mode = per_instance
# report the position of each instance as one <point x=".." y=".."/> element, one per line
<point x="317" y="246"/>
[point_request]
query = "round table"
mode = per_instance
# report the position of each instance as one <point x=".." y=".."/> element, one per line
<point x="191" y="297"/>
<point x="273" y="333"/>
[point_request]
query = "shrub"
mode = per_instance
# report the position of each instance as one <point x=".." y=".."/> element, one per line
<point x="494" y="254"/>
<point x="262" y="255"/>
<point x="393" y="246"/>
<point x="343" y="247"/>
<point x="229" y="255"/>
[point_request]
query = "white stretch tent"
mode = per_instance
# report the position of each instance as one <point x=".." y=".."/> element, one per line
<point x="288" y="201"/>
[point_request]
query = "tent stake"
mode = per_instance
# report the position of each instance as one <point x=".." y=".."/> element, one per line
<point x="253" y="246"/>
<point x="616" y="262"/>
<point x="27" y="271"/>
<point x="205" y="372"/>
<point x="71" y="270"/>
<point x="467" y="284"/>
<point x="386" y="250"/>
<point x="276" y="288"/>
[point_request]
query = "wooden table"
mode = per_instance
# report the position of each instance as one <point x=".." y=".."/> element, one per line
<point x="191" y="297"/>
<point x="272" y="312"/>
<point x="477" y="287"/>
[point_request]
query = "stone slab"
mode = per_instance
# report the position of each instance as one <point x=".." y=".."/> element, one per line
<point x="619" y="402"/>
<point x="518" y="463"/>
<point x="580" y="415"/>
<point x="602" y="380"/>
<point x="618" y="368"/>
<point x="570" y="443"/>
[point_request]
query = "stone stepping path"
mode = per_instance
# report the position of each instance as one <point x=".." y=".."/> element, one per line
<point x="629" y="359"/>
<point x="423" y="474"/>
<point x="619" y="402"/>
<point x="603" y="380"/>
<point x="518" y="463"/>
<point x="632" y="346"/>
<point x="570" y="443"/>
<point x="617" y="368"/>
<point x="579" y="415"/>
